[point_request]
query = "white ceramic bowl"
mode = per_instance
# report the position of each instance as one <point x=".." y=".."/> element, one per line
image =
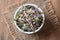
<point x="41" y="14"/>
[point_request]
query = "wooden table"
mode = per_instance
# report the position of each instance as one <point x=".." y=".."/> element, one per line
<point x="7" y="32"/>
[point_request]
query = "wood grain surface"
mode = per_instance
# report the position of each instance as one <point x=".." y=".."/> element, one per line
<point x="50" y="30"/>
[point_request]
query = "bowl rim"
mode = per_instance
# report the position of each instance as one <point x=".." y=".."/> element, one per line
<point x="41" y="14"/>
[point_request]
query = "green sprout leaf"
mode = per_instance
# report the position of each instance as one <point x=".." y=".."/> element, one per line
<point x="28" y="7"/>
<point x="16" y="17"/>
<point x="39" y="12"/>
<point x="36" y="20"/>
<point x="26" y="27"/>
<point x="18" y="25"/>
